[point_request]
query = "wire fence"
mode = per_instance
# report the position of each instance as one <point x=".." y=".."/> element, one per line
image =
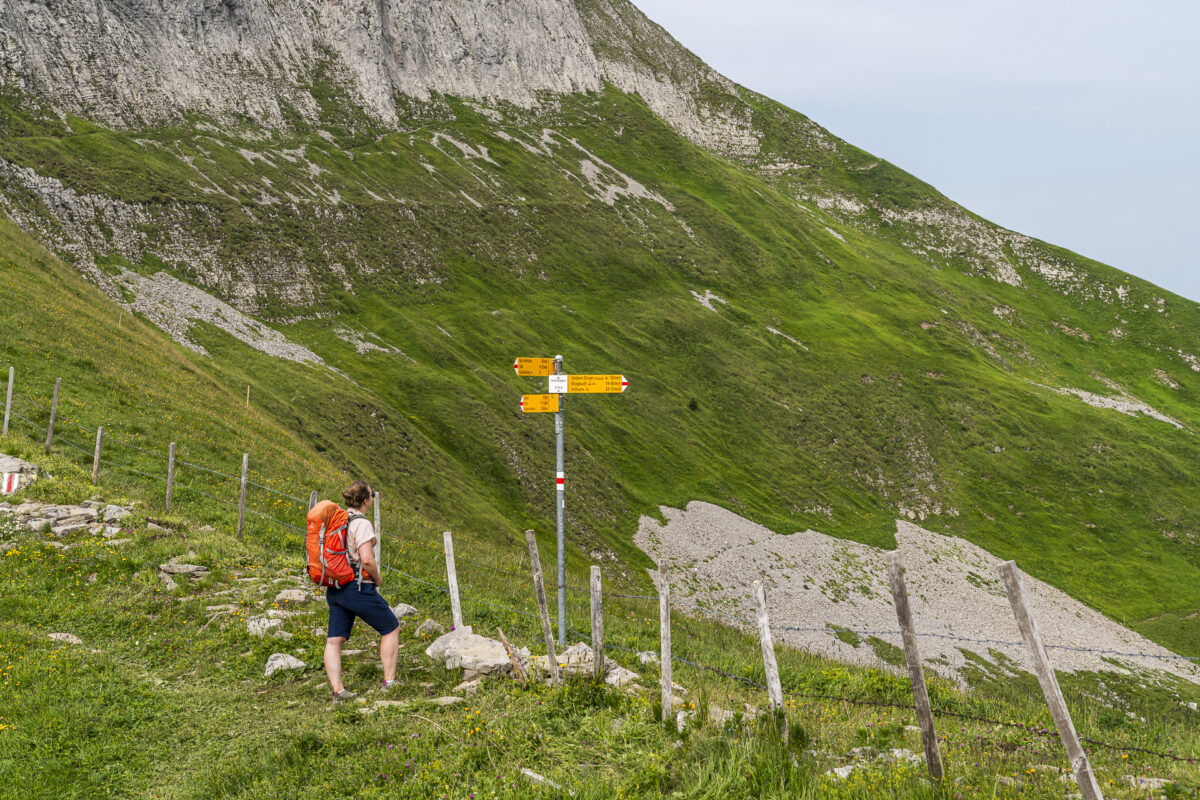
<point x="473" y="589"/>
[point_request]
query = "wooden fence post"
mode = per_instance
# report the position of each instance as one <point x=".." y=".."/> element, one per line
<point x="379" y="536"/>
<point x="770" y="665"/>
<point x="242" y="495"/>
<point x="1045" y="675"/>
<point x="539" y="586"/>
<point x="597" y="626"/>
<point x="312" y="500"/>
<point x="53" y="414"/>
<point x="916" y="674"/>
<point x="8" y="400"/>
<point x="664" y="631"/>
<point x="170" y="475"/>
<point x="96" y="457"/>
<point x="452" y="579"/>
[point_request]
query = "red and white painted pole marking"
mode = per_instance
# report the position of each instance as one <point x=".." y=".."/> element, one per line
<point x="562" y="481"/>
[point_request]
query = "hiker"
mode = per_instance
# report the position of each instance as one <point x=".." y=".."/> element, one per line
<point x="360" y="597"/>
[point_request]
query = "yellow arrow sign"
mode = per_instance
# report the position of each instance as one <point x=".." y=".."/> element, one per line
<point x="593" y="384"/>
<point x="539" y="403"/>
<point x="533" y="367"/>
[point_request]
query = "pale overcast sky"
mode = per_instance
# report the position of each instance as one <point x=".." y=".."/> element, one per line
<point x="1075" y="122"/>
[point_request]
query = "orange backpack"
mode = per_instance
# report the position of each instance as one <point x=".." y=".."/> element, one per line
<point x="328" y="562"/>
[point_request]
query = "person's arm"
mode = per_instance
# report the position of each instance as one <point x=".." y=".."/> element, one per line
<point x="366" y="554"/>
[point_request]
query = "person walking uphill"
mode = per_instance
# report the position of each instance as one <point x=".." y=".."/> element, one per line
<point x="360" y="598"/>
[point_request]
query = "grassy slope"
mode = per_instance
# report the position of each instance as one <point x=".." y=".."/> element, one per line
<point x="879" y="413"/>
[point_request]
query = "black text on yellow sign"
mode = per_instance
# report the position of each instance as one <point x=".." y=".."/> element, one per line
<point x="597" y="384"/>
<point x="539" y="403"/>
<point x="533" y="367"/>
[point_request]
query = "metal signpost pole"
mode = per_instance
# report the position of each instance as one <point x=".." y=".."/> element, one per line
<point x="560" y="486"/>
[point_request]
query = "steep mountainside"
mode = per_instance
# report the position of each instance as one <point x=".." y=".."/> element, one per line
<point x="368" y="209"/>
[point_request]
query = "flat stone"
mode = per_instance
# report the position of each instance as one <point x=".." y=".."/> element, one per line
<point x="280" y="634"/>
<point x="468" y="687"/>
<point x="63" y="530"/>
<point x="428" y="628"/>
<point x="116" y="542"/>
<point x="39" y="525"/>
<point x="281" y="661"/>
<point x="1150" y="784"/>
<point x="379" y="705"/>
<point x="402" y="610"/>
<point x="182" y="569"/>
<point x="168" y="581"/>
<point x="260" y="626"/>
<point x="221" y="607"/>
<point x="150" y="526"/>
<point x="448" y="701"/>
<point x="293" y="596"/>
<point x="471" y="652"/>
<point x="115" y="513"/>
<point x="68" y="638"/>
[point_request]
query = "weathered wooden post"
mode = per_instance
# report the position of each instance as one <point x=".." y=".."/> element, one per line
<point x="312" y="500"/>
<point x="170" y="475"/>
<point x="597" y="626"/>
<point x="452" y="580"/>
<point x="664" y="631"/>
<point x="53" y="414"/>
<point x="242" y="494"/>
<point x="1045" y="675"/>
<point x="916" y="674"/>
<point x="96" y="457"/>
<point x="539" y="586"/>
<point x="8" y="400"/>
<point x="770" y="665"/>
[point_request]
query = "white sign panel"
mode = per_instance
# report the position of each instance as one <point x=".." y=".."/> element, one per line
<point x="558" y="384"/>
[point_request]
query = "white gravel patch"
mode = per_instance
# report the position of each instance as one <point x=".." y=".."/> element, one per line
<point x="814" y="581"/>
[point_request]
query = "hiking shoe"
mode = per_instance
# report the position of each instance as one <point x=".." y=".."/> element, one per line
<point x="390" y="684"/>
<point x="344" y="694"/>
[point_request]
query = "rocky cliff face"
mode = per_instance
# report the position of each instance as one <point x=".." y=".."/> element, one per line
<point x="130" y="62"/>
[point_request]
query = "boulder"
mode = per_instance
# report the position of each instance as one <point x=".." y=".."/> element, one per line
<point x="68" y="638"/>
<point x="402" y="610"/>
<point x="447" y="701"/>
<point x="260" y="626"/>
<point x="59" y="531"/>
<point x="647" y="657"/>
<point x="168" y="581"/>
<point x="428" y="628"/>
<point x="193" y="571"/>
<point x="578" y="659"/>
<point x="23" y="474"/>
<point x="39" y="525"/>
<point x="281" y="661"/>
<point x="471" y="652"/>
<point x="293" y="596"/>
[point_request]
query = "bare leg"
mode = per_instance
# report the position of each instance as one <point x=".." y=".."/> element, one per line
<point x="389" y="648"/>
<point x="333" y="661"/>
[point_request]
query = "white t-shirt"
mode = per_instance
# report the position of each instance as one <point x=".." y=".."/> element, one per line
<point x="359" y="533"/>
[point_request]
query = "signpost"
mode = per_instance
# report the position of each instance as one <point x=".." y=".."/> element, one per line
<point x="559" y="383"/>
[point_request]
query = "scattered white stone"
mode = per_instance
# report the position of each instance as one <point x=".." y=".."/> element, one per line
<point x="68" y="638"/>
<point x="533" y="776"/>
<point x="293" y="596"/>
<point x="168" y="581"/>
<point x="1151" y="784"/>
<point x="402" y="610"/>
<point x="647" y="657"/>
<point x="707" y="299"/>
<point x="261" y="625"/>
<point x="448" y="701"/>
<point x="428" y="628"/>
<point x="281" y="661"/>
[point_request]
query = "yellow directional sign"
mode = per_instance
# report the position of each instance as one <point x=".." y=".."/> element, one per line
<point x="534" y="367"/>
<point x="593" y="384"/>
<point x="535" y="403"/>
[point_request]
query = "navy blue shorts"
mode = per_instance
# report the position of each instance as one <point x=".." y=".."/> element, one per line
<point x="366" y="603"/>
